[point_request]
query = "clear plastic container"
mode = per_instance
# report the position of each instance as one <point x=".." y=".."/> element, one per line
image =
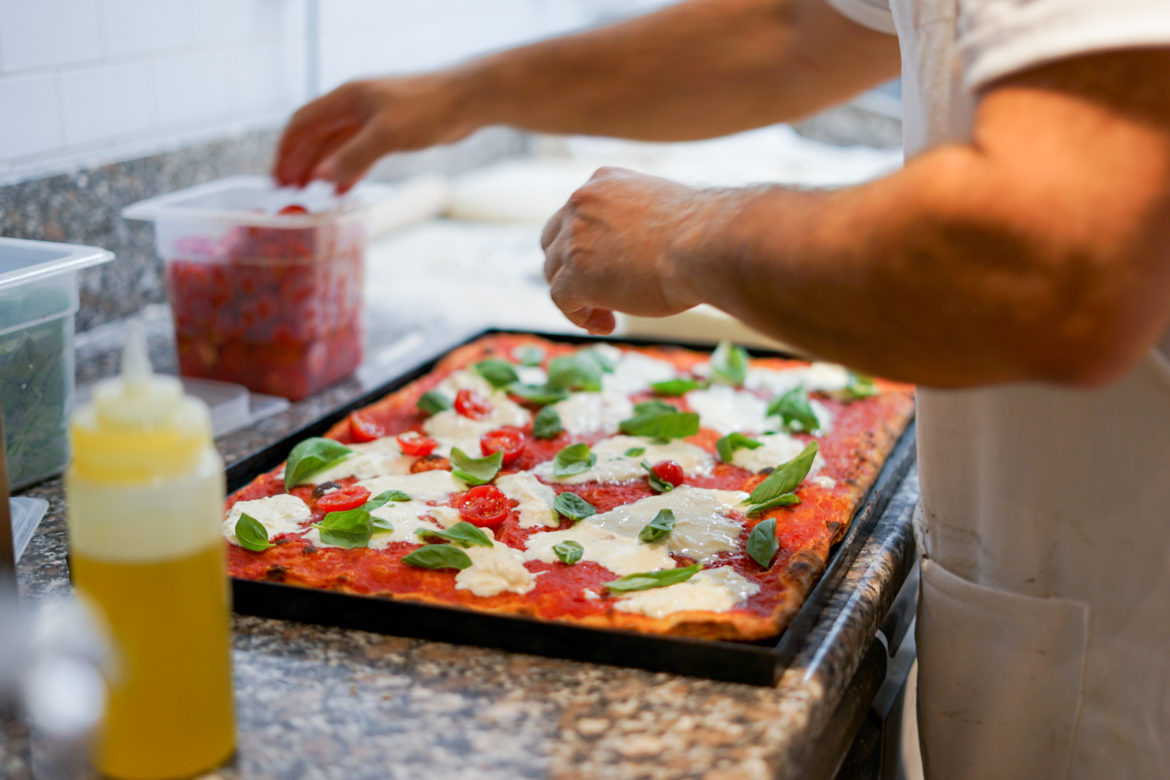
<point x="38" y="300"/>
<point x="268" y="300"/>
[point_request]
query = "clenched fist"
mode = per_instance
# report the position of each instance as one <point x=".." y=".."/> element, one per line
<point x="623" y="242"/>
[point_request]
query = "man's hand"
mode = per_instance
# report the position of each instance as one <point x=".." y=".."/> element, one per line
<point x="339" y="136"/>
<point x="618" y="244"/>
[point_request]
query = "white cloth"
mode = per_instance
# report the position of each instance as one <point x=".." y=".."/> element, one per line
<point x="1044" y="629"/>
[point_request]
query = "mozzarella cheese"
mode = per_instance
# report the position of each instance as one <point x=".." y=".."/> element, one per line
<point x="280" y="514"/>
<point x="433" y="485"/>
<point x="370" y="459"/>
<point x="819" y="377"/>
<point x="585" y="413"/>
<point x="728" y="410"/>
<point x="613" y="465"/>
<point x="531" y="375"/>
<point x="452" y="429"/>
<point x="535" y="499"/>
<point x="405" y="517"/>
<point x="494" y="570"/>
<point x="634" y="372"/>
<point x="714" y="590"/>
<point x="702" y="528"/>
<point x="620" y="553"/>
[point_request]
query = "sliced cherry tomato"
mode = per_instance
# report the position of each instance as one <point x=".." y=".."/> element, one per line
<point x="363" y="428"/>
<point x="669" y="471"/>
<point x="509" y="441"/>
<point x="471" y="404"/>
<point x="485" y="505"/>
<point x="349" y="497"/>
<point x="414" y="443"/>
<point x="293" y="208"/>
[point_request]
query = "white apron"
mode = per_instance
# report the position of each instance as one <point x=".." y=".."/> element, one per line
<point x="1044" y="618"/>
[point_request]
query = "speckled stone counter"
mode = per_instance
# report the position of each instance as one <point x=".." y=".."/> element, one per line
<point x="318" y="702"/>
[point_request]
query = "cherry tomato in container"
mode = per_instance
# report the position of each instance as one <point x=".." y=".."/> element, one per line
<point x="669" y="471"/>
<point x="349" y="497"/>
<point x="471" y="404"/>
<point x="415" y="444"/>
<point x="509" y="441"/>
<point x="293" y="208"/>
<point x="485" y="505"/>
<point x="363" y="428"/>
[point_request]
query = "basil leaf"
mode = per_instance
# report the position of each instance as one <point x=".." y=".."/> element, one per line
<point x="653" y="579"/>
<point x="251" y="534"/>
<point x="384" y="498"/>
<point x="351" y="528"/>
<point x="658" y="528"/>
<point x="784" y="499"/>
<point x="727" y="445"/>
<point x="380" y="524"/>
<point x="657" y="483"/>
<point x="574" y="459"/>
<point x="607" y="362"/>
<point x="785" y="478"/>
<point x="660" y="423"/>
<point x="729" y="364"/>
<point x="537" y="394"/>
<point x="579" y="371"/>
<point x="675" y="386"/>
<point x="634" y="452"/>
<point x="498" y="373"/>
<point x="860" y="386"/>
<point x="462" y="533"/>
<point x="762" y="544"/>
<point x="573" y="506"/>
<point x="476" y="471"/>
<point x="547" y="424"/>
<point x="310" y="457"/>
<point x="568" y="551"/>
<point x="433" y="402"/>
<point x="654" y="405"/>
<point x="437" y="556"/>
<point x="795" y="411"/>
<point x="529" y="355"/>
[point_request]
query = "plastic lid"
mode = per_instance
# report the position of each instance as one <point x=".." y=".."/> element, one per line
<point x="139" y="425"/>
<point x="23" y="261"/>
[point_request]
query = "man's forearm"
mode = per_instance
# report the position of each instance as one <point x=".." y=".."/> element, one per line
<point x="695" y="70"/>
<point x="1042" y="252"/>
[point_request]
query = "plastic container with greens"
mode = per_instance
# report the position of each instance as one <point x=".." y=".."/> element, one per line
<point x="38" y="300"/>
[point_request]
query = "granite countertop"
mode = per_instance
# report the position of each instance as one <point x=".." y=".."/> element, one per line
<point x="314" y="701"/>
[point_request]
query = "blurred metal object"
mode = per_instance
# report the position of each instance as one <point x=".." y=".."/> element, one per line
<point x="7" y="547"/>
<point x="50" y="672"/>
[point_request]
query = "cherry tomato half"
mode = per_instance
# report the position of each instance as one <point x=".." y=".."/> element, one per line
<point x="471" y="404"/>
<point x="349" y="497"/>
<point x="485" y="505"/>
<point x="509" y="441"/>
<point x="363" y="428"/>
<point x="293" y="208"/>
<point x="669" y="471"/>
<point x="414" y="443"/>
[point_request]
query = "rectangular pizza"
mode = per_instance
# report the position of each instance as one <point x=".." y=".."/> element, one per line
<point x="658" y="489"/>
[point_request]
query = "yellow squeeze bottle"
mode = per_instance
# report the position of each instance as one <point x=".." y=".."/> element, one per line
<point x="145" y="496"/>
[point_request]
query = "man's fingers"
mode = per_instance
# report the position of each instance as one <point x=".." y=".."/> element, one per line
<point x="354" y="158"/>
<point x="600" y="321"/>
<point x="552" y="228"/>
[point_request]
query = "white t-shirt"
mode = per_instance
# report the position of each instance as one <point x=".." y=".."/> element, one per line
<point x="1045" y="623"/>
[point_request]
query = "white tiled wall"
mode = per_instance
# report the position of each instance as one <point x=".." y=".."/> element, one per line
<point x="82" y="80"/>
<point x="91" y="79"/>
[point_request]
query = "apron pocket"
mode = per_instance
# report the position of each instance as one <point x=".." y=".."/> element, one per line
<point x="999" y="679"/>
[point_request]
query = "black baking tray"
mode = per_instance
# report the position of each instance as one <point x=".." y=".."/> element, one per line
<point x="756" y="663"/>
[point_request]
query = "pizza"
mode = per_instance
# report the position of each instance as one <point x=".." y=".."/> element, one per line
<point x="657" y="489"/>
